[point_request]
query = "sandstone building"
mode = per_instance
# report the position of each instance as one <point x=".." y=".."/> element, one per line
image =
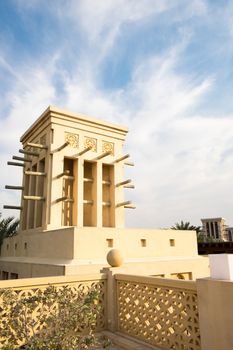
<point x="72" y="207"/>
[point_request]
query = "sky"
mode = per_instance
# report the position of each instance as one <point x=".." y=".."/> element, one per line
<point x="163" y="68"/>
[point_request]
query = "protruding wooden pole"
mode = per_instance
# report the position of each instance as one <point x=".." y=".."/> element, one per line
<point x="123" y="183"/>
<point x="65" y="175"/>
<point x="129" y="186"/>
<point x="34" y="198"/>
<point x="12" y="207"/>
<point x="9" y="187"/>
<point x="36" y="173"/>
<point x="30" y="153"/>
<point x="105" y="154"/>
<point x="106" y="204"/>
<point x="129" y="206"/>
<point x="61" y="147"/>
<point x="86" y="201"/>
<point x="123" y="204"/>
<point x="16" y="164"/>
<point x="64" y="199"/>
<point x="37" y="145"/>
<point x="83" y="151"/>
<point x="129" y="163"/>
<point x="88" y="179"/>
<point x="122" y="158"/>
<point x="21" y="158"/>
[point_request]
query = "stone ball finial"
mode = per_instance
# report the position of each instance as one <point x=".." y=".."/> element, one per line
<point x="114" y="258"/>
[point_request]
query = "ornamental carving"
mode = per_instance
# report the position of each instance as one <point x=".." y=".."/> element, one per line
<point x="90" y="142"/>
<point x="108" y="147"/>
<point x="72" y="139"/>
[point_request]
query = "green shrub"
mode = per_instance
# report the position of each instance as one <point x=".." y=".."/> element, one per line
<point x="53" y="319"/>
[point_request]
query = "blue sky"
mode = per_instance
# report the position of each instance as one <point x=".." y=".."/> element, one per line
<point x="163" y="68"/>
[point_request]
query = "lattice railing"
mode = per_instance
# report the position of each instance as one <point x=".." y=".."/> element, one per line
<point x="80" y="285"/>
<point x="161" y="312"/>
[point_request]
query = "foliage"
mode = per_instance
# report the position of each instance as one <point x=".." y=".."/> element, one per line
<point x="8" y="227"/>
<point x="65" y="320"/>
<point x="186" y="226"/>
<point x="202" y="238"/>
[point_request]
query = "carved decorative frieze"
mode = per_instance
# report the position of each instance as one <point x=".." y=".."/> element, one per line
<point x="90" y="142"/>
<point x="108" y="147"/>
<point x="73" y="139"/>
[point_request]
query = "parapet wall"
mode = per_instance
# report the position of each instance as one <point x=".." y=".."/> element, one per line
<point x="93" y="244"/>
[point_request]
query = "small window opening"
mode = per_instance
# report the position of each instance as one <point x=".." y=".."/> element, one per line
<point x="16" y="246"/>
<point x="109" y="242"/>
<point x="14" y="276"/>
<point x="25" y="245"/>
<point x="7" y="247"/>
<point x="143" y="242"/>
<point x="5" y="275"/>
<point x="172" y="242"/>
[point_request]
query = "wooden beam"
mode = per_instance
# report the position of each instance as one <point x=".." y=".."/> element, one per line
<point x="21" y="158"/>
<point x="129" y="163"/>
<point x="34" y="173"/>
<point x="123" y="183"/>
<point x="130" y="206"/>
<point x="106" y="204"/>
<point x="64" y="199"/>
<point x="12" y="207"/>
<point x="105" y="154"/>
<point x="16" y="164"/>
<point x="86" y="201"/>
<point x="9" y="187"/>
<point x="34" y="198"/>
<point x="30" y="153"/>
<point x="129" y="186"/>
<point x="37" y="145"/>
<point x="65" y="175"/>
<point x="106" y="182"/>
<point x="60" y="148"/>
<point x="87" y="179"/>
<point x="121" y="158"/>
<point x="123" y="204"/>
<point x="83" y="151"/>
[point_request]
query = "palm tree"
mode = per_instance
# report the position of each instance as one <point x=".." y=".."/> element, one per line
<point x="8" y="227"/>
<point x="186" y="226"/>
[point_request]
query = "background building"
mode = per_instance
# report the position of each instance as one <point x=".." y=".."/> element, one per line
<point x="214" y="228"/>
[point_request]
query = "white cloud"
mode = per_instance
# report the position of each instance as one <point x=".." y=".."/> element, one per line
<point x="183" y="160"/>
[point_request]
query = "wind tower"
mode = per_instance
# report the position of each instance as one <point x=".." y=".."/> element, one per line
<point x="72" y="173"/>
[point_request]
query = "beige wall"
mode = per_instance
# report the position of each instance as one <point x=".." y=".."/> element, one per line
<point x="85" y="250"/>
<point x="93" y="243"/>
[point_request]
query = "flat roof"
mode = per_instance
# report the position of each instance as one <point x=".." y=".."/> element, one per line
<point x="78" y="116"/>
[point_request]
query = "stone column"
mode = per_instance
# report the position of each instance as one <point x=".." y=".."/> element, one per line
<point x="99" y="195"/>
<point x="80" y="192"/>
<point x="215" y="305"/>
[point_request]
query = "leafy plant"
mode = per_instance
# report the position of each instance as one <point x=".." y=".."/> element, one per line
<point x="186" y="226"/>
<point x="8" y="227"/>
<point x="53" y="319"/>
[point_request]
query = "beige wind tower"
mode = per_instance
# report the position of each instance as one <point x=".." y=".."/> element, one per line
<point x="73" y="172"/>
<point x="72" y="207"/>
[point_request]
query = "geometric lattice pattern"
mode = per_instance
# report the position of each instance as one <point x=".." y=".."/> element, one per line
<point x="78" y="287"/>
<point x="161" y="315"/>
